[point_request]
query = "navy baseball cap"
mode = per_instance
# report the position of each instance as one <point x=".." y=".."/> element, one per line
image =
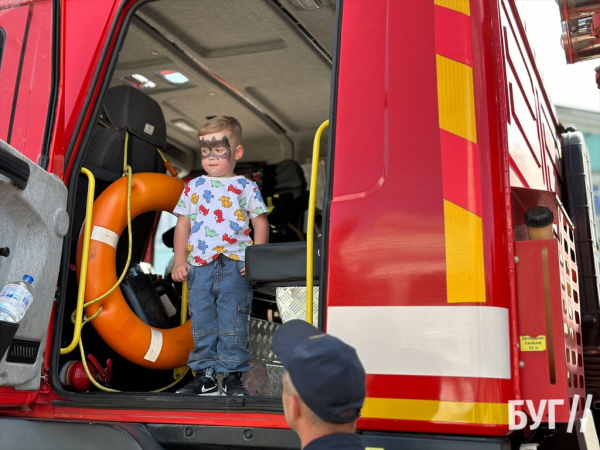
<point x="325" y="371"/>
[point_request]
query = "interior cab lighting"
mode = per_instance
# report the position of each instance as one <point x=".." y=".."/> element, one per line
<point x="310" y="4"/>
<point x="173" y="77"/>
<point x="139" y="81"/>
<point x="184" y="125"/>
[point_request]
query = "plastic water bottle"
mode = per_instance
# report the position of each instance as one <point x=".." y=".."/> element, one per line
<point x="15" y="298"/>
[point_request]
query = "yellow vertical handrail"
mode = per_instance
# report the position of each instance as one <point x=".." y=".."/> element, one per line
<point x="184" y="303"/>
<point x="310" y="231"/>
<point x="179" y="372"/>
<point x="87" y="231"/>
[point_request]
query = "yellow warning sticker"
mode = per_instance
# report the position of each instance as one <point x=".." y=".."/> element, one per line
<point x="533" y="344"/>
<point x="374" y="448"/>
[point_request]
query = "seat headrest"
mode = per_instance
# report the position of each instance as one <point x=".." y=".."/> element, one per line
<point x="129" y="109"/>
<point x="289" y="176"/>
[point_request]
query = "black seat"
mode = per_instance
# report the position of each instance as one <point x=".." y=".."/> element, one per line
<point x="281" y="264"/>
<point x="131" y="111"/>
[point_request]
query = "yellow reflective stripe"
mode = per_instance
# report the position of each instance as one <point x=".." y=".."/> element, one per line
<point x="464" y="255"/>
<point x="436" y="411"/>
<point x="455" y="98"/>
<point x="457" y="5"/>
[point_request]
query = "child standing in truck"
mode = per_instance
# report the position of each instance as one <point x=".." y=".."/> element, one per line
<point x="213" y="229"/>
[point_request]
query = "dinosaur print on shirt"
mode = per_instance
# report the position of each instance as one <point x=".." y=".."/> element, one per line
<point x="219" y="210"/>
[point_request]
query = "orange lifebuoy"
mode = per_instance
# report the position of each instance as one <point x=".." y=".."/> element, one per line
<point x="117" y="324"/>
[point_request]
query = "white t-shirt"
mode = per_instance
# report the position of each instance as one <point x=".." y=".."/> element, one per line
<point x="219" y="210"/>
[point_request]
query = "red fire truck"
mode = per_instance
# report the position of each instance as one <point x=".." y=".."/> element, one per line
<point x="441" y="138"/>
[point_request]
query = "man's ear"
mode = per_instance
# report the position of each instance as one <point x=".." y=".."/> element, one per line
<point x="295" y="407"/>
<point x="239" y="152"/>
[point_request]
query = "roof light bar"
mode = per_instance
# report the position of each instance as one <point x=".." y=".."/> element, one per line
<point x="581" y="29"/>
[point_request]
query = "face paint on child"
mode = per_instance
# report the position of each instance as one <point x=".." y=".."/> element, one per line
<point x="219" y="149"/>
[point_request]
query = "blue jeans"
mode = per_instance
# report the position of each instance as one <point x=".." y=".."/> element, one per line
<point x="220" y="303"/>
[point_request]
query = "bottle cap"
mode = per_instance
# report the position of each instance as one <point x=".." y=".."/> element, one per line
<point x="538" y="217"/>
<point x="28" y="278"/>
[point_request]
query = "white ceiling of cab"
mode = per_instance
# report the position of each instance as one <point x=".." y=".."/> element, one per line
<point x="244" y="58"/>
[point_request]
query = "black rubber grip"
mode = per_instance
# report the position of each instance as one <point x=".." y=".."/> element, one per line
<point x="14" y="168"/>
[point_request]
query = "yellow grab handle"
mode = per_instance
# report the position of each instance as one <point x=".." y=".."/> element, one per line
<point x="310" y="232"/>
<point x="87" y="231"/>
<point x="179" y="372"/>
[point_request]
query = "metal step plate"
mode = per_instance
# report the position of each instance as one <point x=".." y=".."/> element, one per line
<point x="266" y="373"/>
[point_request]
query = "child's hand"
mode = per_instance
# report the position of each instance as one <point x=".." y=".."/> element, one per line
<point x="180" y="271"/>
<point x="243" y="271"/>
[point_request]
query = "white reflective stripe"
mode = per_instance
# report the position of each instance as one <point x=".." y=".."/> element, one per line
<point x="156" y="342"/>
<point x="453" y="341"/>
<point x="105" y="235"/>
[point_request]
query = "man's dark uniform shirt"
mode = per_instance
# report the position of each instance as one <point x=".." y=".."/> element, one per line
<point x="339" y="441"/>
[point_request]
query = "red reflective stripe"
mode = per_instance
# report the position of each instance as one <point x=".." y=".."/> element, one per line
<point x="453" y="35"/>
<point x="451" y="389"/>
<point x="460" y="169"/>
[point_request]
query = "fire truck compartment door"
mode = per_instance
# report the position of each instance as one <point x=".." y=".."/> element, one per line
<point x="33" y="222"/>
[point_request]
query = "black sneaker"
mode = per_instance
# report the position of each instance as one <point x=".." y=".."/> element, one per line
<point x="202" y="385"/>
<point x="233" y="385"/>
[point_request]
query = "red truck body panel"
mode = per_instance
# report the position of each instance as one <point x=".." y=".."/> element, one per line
<point x="28" y="67"/>
<point x="415" y="182"/>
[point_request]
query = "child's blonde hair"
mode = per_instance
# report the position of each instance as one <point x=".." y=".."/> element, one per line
<point x="223" y="123"/>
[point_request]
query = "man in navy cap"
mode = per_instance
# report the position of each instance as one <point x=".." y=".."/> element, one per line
<point x="323" y="386"/>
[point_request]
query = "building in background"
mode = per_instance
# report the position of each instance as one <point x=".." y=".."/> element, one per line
<point x="588" y="123"/>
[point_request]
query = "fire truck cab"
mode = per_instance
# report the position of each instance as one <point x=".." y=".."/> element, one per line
<point x="399" y="144"/>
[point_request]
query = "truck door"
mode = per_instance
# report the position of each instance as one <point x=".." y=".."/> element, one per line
<point x="33" y="218"/>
